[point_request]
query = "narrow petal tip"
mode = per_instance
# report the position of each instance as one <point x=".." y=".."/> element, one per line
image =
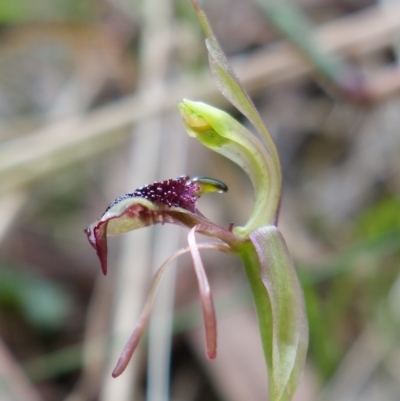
<point x="119" y="369"/>
<point x="206" y="299"/>
<point x="212" y="354"/>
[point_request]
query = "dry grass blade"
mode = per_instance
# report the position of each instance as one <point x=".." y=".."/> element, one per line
<point x="15" y="386"/>
<point x="94" y="342"/>
<point x="131" y="277"/>
<point x="157" y="45"/>
<point x="131" y="282"/>
<point x="357" y="366"/>
<point x="10" y="205"/>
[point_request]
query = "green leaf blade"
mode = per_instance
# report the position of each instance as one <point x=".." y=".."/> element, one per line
<point x="285" y="345"/>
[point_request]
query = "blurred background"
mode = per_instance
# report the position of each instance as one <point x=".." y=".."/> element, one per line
<point x="88" y="95"/>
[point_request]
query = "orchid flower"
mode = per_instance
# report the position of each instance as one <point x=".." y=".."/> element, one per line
<point x="272" y="278"/>
<point x="169" y="201"/>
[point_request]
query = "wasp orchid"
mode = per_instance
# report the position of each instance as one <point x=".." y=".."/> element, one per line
<point x="271" y="275"/>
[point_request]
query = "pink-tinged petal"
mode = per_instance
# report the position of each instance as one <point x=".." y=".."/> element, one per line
<point x="207" y="303"/>
<point x="133" y="341"/>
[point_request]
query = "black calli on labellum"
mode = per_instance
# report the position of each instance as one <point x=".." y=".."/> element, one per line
<point x="180" y="192"/>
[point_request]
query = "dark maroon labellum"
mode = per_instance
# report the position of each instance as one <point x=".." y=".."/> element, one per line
<point x="179" y="192"/>
<point x="168" y="201"/>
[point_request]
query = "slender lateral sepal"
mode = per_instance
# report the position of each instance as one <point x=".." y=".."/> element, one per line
<point x="207" y="303"/>
<point x="143" y="321"/>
